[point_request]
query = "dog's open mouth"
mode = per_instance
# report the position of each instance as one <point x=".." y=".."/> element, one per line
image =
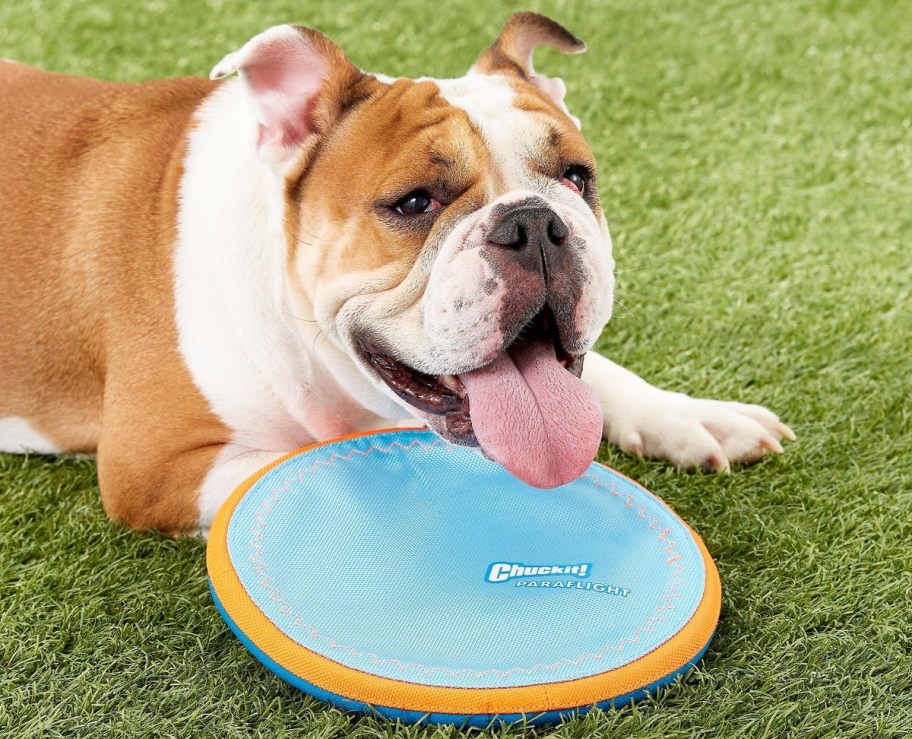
<point x="527" y="409"/>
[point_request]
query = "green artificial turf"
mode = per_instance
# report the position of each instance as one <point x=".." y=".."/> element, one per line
<point x="756" y="169"/>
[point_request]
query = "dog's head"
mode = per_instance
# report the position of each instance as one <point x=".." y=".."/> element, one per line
<point x="447" y="235"/>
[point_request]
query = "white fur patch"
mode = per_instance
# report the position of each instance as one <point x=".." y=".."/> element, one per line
<point x="249" y="353"/>
<point x="384" y="78"/>
<point x="267" y="373"/>
<point x="228" y="276"/>
<point x="18" y="437"/>
<point x="232" y="466"/>
<point x="488" y="99"/>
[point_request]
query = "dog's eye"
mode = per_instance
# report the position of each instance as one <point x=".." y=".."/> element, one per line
<point x="575" y="178"/>
<point x="416" y="203"/>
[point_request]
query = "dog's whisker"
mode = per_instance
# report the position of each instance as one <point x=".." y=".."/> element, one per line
<point x="313" y="347"/>
<point x="630" y="313"/>
<point x="298" y="318"/>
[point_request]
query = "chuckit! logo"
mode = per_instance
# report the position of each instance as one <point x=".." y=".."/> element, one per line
<point x="503" y="571"/>
<point x="530" y="576"/>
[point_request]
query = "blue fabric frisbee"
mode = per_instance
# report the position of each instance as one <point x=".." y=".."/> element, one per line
<point x="396" y="573"/>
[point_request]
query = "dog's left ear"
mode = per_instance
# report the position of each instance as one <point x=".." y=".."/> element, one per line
<point x="511" y="53"/>
<point x="297" y="81"/>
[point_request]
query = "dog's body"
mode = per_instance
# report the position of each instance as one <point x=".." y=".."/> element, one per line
<point x="199" y="276"/>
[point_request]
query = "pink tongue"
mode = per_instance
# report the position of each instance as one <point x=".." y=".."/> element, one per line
<point x="533" y="416"/>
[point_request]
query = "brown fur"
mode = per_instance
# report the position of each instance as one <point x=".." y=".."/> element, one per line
<point x="511" y="53"/>
<point x="403" y="136"/>
<point x="88" y="343"/>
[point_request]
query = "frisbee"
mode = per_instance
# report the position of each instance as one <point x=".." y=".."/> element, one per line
<point x="395" y="573"/>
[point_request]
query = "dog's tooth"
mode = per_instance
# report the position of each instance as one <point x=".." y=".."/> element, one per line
<point x="451" y="381"/>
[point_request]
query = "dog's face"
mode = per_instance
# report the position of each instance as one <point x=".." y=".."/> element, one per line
<point x="448" y="236"/>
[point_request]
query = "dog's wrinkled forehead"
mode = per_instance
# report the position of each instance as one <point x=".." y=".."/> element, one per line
<point x="519" y="114"/>
<point x="515" y="128"/>
<point x="523" y="139"/>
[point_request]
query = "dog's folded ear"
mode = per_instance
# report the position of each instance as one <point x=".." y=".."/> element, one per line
<point x="511" y="53"/>
<point x="298" y="81"/>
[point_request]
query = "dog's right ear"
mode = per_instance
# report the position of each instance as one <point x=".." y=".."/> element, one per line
<point x="511" y="53"/>
<point x="297" y="80"/>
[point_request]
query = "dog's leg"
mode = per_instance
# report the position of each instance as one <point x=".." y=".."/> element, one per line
<point x="147" y="487"/>
<point x="177" y="491"/>
<point x="168" y="462"/>
<point x="690" y="432"/>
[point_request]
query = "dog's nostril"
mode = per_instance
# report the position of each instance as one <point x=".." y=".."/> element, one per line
<point x="521" y="236"/>
<point x="557" y="230"/>
<point x="510" y="232"/>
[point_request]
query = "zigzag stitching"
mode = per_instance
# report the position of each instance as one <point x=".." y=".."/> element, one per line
<point x="333" y="457"/>
<point x="258" y="536"/>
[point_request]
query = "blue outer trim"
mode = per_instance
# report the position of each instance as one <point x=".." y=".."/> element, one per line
<point x="478" y="720"/>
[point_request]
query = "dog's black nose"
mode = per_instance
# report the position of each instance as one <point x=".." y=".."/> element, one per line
<point x="529" y="226"/>
<point x="534" y="235"/>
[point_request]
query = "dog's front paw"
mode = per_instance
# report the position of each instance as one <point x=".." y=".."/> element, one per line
<point x="694" y="432"/>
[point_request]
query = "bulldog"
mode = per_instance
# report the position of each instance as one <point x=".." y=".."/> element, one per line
<point x="201" y="275"/>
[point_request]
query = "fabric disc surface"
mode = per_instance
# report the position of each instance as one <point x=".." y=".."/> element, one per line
<point x="396" y="573"/>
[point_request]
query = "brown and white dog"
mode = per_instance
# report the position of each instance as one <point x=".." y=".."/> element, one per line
<point x="199" y="276"/>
